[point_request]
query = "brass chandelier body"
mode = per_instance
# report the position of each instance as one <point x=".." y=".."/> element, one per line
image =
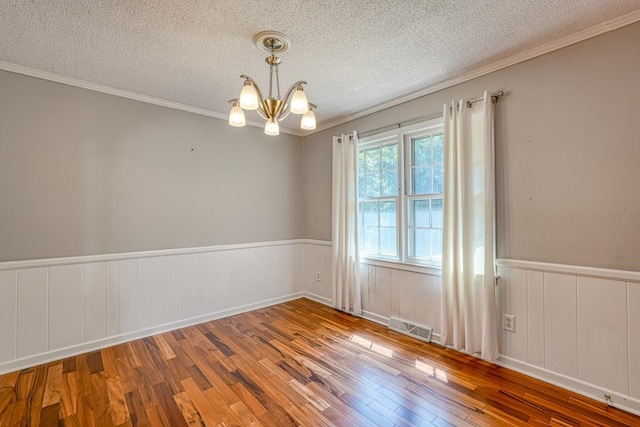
<point x="272" y="108"/>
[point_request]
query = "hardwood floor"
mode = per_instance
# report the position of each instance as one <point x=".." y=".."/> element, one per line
<point x="298" y="363"/>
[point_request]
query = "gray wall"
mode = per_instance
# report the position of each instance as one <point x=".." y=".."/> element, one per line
<point x="568" y="153"/>
<point x="87" y="173"/>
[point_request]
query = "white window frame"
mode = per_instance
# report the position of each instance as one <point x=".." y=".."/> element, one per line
<point x="402" y="136"/>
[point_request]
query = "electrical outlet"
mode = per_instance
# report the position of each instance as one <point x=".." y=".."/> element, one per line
<point x="509" y="322"/>
<point x="318" y="277"/>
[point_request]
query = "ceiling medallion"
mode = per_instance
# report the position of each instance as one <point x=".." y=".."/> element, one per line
<point x="272" y="108"/>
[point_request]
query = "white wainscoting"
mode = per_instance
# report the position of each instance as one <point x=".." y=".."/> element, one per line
<point x="50" y="309"/>
<point x="577" y="327"/>
<point x="405" y="294"/>
<point x="317" y="259"/>
<point x="387" y="291"/>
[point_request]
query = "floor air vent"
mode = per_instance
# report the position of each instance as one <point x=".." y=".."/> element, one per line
<point x="415" y="331"/>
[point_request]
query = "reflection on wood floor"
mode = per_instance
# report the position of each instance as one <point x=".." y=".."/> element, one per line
<point x="297" y="363"/>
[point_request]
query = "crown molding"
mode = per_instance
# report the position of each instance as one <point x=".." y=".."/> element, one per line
<point x="596" y="30"/>
<point x="71" y="81"/>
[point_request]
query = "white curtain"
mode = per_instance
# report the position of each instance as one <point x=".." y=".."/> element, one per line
<point x="345" y="252"/>
<point x="469" y="318"/>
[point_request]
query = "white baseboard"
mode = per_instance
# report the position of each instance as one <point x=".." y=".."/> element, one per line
<point x="618" y="400"/>
<point x="318" y="298"/>
<point x="376" y="318"/>
<point x="63" y="353"/>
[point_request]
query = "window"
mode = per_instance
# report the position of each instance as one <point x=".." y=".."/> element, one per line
<point x="400" y="183"/>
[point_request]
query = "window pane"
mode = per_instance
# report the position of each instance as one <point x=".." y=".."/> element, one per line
<point x="370" y="237"/>
<point x="372" y="160"/>
<point x="437" y="142"/>
<point x="436" y="213"/>
<point x="437" y="178"/>
<point x="361" y="187"/>
<point x="388" y="214"/>
<point x="420" y="213"/>
<point x="390" y="183"/>
<point x="421" y="180"/>
<point x="370" y="214"/>
<point x="421" y="243"/>
<point x="361" y="162"/>
<point x="388" y="241"/>
<point x="390" y="157"/>
<point x="436" y="244"/>
<point x="421" y="151"/>
<point x="372" y="183"/>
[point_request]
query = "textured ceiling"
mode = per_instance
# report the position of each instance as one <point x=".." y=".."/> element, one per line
<point x="354" y="54"/>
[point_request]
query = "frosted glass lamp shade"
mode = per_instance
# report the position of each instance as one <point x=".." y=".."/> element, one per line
<point x="308" y="121"/>
<point x="299" y="104"/>
<point x="249" y="97"/>
<point x="271" y="127"/>
<point x="236" y="116"/>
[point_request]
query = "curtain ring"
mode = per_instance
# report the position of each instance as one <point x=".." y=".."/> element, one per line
<point x="469" y="104"/>
<point x="339" y="140"/>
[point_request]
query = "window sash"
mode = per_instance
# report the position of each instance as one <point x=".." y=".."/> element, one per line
<point x="433" y="230"/>
<point x="404" y="230"/>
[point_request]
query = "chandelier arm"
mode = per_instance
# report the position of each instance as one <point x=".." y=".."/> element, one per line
<point x="261" y="113"/>
<point x="291" y="89"/>
<point x="284" y="112"/>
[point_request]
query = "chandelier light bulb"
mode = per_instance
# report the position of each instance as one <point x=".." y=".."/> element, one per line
<point x="249" y="97"/>
<point x="271" y="127"/>
<point x="308" y="121"/>
<point x="299" y="103"/>
<point x="236" y="116"/>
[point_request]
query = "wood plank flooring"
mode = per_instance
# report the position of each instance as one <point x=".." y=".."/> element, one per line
<point x="298" y="363"/>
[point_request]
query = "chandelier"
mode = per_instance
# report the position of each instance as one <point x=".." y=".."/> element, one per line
<point x="272" y="108"/>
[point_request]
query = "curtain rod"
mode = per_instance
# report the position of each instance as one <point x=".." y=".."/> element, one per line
<point x="494" y="98"/>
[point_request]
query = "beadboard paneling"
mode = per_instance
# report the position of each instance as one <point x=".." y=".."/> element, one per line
<point x="317" y="259"/>
<point x="583" y="328"/>
<point x="403" y="293"/>
<point x="111" y="298"/>
<point x="183" y="301"/>
<point x="187" y="281"/>
<point x="94" y="301"/>
<point x="535" y="321"/>
<point x="128" y="296"/>
<point x="380" y="290"/>
<point x="633" y="310"/>
<point x="513" y="300"/>
<point x="561" y="324"/>
<point x="208" y="268"/>
<point x="578" y="327"/>
<point x="52" y="311"/>
<point x="602" y="333"/>
<point x="143" y="293"/>
<point x="8" y="314"/>
<point x="426" y="300"/>
<point x="66" y="289"/>
<point x="160" y="304"/>
<point x="32" y="328"/>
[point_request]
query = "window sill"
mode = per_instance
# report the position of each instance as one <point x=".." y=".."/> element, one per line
<point x="397" y="265"/>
